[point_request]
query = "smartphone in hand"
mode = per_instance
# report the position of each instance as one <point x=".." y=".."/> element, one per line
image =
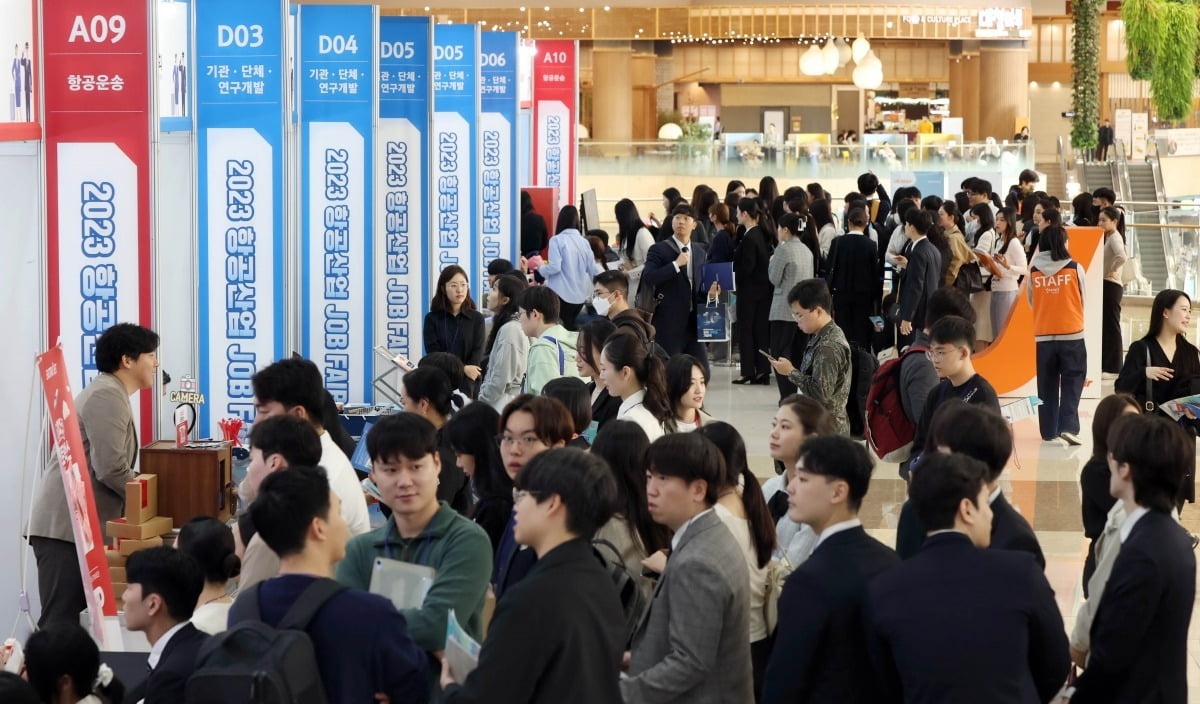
<point x="767" y="355"/>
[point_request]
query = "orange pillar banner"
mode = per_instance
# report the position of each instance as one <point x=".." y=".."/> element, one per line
<point x="1010" y="362"/>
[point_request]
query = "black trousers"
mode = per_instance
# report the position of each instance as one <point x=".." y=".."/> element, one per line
<point x="753" y="334"/>
<point x="853" y="316"/>
<point x="568" y="312"/>
<point x="1110" y="330"/>
<point x="760" y="655"/>
<point x="60" y="585"/>
<point x="788" y="342"/>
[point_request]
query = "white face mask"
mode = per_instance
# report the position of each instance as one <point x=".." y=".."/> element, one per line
<point x="602" y="305"/>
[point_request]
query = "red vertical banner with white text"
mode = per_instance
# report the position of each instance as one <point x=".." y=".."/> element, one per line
<point x="97" y="121"/>
<point x="555" y="114"/>
<point x="76" y="479"/>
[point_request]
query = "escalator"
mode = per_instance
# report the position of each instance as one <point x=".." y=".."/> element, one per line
<point x="1141" y="191"/>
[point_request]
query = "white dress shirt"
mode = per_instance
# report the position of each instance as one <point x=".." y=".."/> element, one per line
<point x="683" y="529"/>
<point x="1134" y="516"/>
<point x="156" y="651"/>
<point x="633" y="409"/>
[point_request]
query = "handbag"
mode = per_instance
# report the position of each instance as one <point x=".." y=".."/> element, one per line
<point x="969" y="279"/>
<point x="712" y="323"/>
<point x="777" y="573"/>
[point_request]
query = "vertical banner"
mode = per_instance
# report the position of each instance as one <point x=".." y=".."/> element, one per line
<point x="72" y="462"/>
<point x="240" y="72"/>
<point x="454" y="195"/>
<point x="172" y="69"/>
<point x="498" y="153"/>
<point x="337" y="108"/>
<point x="403" y="170"/>
<point x="555" y="114"/>
<point x="97" y="85"/>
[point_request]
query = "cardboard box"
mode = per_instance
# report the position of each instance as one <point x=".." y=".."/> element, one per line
<point x="141" y="499"/>
<point x="115" y="559"/>
<point x="128" y="547"/>
<point x="120" y="528"/>
<point x="117" y="574"/>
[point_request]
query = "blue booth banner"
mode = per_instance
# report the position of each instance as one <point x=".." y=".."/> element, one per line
<point x="499" y="198"/>
<point x="403" y="166"/>
<point x="337" y="108"/>
<point x="240" y="71"/>
<point x="454" y="186"/>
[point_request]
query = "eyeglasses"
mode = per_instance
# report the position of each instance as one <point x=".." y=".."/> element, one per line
<point x="938" y="353"/>
<point x="525" y="441"/>
<point x="801" y="315"/>
<point x="535" y="495"/>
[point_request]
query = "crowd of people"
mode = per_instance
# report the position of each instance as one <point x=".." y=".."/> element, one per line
<point x="563" y="464"/>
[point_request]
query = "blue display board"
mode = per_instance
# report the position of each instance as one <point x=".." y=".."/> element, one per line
<point x="403" y="167"/>
<point x="240" y="71"/>
<point x="455" y="192"/>
<point x="337" y="108"/>
<point x="499" y="194"/>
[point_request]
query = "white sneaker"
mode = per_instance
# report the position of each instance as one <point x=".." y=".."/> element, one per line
<point x="1071" y="439"/>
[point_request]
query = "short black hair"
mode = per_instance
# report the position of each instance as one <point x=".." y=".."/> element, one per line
<point x="581" y="480"/>
<point x="123" y="340"/>
<point x="613" y="281"/>
<point x="953" y="330"/>
<point x="447" y="363"/>
<point x="401" y="435"/>
<point x="286" y="505"/>
<point x="499" y="266"/>
<point x="575" y="396"/>
<point x="472" y="431"/>
<point x="288" y="436"/>
<point x="948" y="301"/>
<point x="602" y="235"/>
<point x="541" y="299"/>
<point x="857" y="217"/>
<point x="169" y="573"/>
<point x="839" y="457"/>
<point x="920" y="219"/>
<point x="939" y="486"/>
<point x="990" y="439"/>
<point x="679" y="376"/>
<point x="691" y="457"/>
<point x="1106" y="193"/>
<point x="810" y="294"/>
<point x="293" y="381"/>
<point x="210" y="543"/>
<point x="1159" y="454"/>
<point x="683" y="208"/>
<point x="1028" y="176"/>
<point x="431" y="384"/>
<point x="868" y="183"/>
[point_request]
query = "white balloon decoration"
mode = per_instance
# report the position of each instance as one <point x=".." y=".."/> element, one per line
<point x="845" y="53"/>
<point x="811" y="62"/>
<point x="860" y="48"/>
<point x="670" y="131"/>
<point x="829" y="57"/>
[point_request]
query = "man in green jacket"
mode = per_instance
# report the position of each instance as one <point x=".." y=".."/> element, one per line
<point x="552" y="348"/>
<point x="423" y="531"/>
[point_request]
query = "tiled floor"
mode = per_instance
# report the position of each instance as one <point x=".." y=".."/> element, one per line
<point x="1042" y="481"/>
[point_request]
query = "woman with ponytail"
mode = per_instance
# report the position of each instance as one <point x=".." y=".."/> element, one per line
<point x="507" y="346"/>
<point x="631" y="371"/>
<point x="210" y="543"/>
<point x="427" y="391"/>
<point x="63" y="664"/>
<point x="743" y="510"/>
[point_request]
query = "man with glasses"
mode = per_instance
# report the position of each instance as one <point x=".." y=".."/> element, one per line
<point x="824" y="373"/>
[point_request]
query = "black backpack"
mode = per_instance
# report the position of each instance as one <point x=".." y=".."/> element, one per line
<point x="253" y="663"/>
<point x="633" y="601"/>
<point x="862" y="371"/>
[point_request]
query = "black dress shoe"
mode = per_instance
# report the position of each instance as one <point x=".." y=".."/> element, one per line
<point x="743" y="380"/>
<point x="762" y="379"/>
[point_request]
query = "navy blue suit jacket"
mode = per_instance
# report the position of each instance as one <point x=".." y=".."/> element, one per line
<point x="1139" y="633"/>
<point x="820" y="641"/>
<point x="958" y="624"/>
<point x="1010" y="531"/>
<point x="675" y="317"/>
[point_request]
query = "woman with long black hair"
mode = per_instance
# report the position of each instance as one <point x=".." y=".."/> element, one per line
<point x="453" y="324"/>
<point x="633" y="242"/>
<point x="569" y="270"/>
<point x="508" y="346"/>
<point x="588" y="348"/>
<point x="471" y="434"/>
<point x="534" y="235"/>
<point x="631" y="370"/>
<point x="428" y="392"/>
<point x="751" y="261"/>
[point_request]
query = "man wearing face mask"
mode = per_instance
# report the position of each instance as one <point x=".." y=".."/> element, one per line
<point x="610" y="298"/>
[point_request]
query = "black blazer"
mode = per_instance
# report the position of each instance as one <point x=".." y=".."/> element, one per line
<point x="852" y="267"/>
<point x="820" y="641"/>
<point x="166" y="683"/>
<point x="751" y="258"/>
<point x="921" y="278"/>
<point x="957" y="624"/>
<point x="461" y="335"/>
<point x="1139" y="633"/>
<point x="674" y="318"/>
<point x="558" y="636"/>
<point x="605" y="407"/>
<point x="1186" y="363"/>
<point x="1010" y="531"/>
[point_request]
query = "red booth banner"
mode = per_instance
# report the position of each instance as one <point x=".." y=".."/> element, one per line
<point x="97" y="119"/>
<point x="555" y="115"/>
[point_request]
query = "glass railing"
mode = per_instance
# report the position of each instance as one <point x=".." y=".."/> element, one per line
<point x="742" y="156"/>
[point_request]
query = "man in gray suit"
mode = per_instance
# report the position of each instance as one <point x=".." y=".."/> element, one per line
<point x="693" y="644"/>
<point x="127" y="359"/>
